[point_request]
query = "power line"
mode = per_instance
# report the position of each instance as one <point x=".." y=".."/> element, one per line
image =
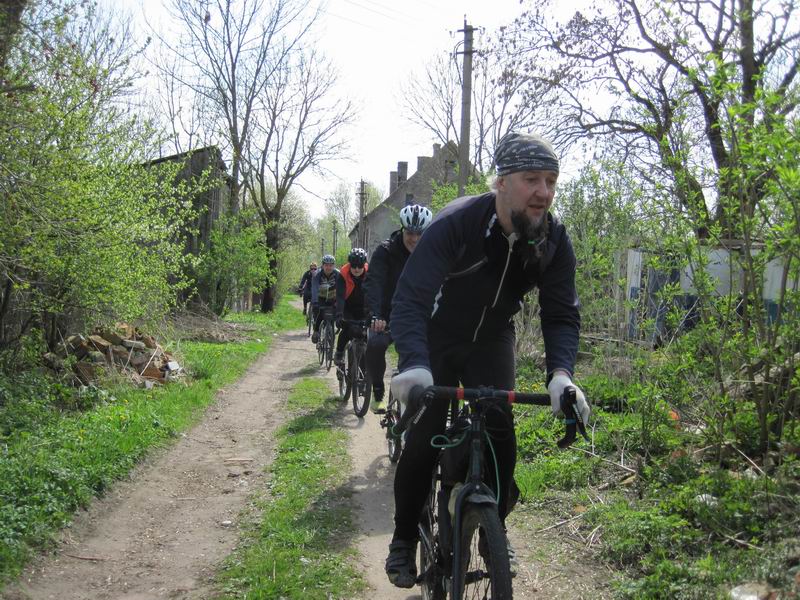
<point x="331" y="14"/>
<point x="383" y="7"/>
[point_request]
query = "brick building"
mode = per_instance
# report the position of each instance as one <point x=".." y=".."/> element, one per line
<point x="403" y="190"/>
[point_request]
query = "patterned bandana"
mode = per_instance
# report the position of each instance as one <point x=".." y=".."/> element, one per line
<point x="524" y="152"/>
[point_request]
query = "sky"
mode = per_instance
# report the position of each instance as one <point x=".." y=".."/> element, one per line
<point x="376" y="45"/>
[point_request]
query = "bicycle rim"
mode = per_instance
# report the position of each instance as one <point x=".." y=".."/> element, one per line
<point x="485" y="571"/>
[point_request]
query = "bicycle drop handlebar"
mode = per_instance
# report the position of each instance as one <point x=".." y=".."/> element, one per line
<point x="419" y="398"/>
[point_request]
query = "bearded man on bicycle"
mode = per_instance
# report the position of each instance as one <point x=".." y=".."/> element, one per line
<point x="387" y="263"/>
<point x="349" y="298"/>
<point x="323" y="291"/>
<point x="452" y="318"/>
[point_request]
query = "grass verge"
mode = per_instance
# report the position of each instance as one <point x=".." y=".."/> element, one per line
<point x="59" y="447"/>
<point x="674" y="515"/>
<point x="300" y="544"/>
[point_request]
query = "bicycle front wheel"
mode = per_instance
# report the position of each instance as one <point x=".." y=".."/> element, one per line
<point x="360" y="386"/>
<point x="485" y="570"/>
<point x="329" y="341"/>
<point x="345" y="385"/>
<point x="323" y="336"/>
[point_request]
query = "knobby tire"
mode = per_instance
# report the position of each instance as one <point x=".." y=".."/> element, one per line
<point x="360" y="385"/>
<point x="329" y="336"/>
<point x="486" y="577"/>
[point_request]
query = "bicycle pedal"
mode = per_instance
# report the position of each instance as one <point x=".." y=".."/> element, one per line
<point x="380" y="411"/>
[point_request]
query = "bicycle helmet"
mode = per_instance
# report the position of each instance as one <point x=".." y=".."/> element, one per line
<point x="328" y="260"/>
<point x="415" y="218"/>
<point x="357" y="257"/>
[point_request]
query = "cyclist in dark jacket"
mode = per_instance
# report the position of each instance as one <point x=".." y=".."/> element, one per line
<point x="323" y="291"/>
<point x="452" y="318"/>
<point x="386" y="264"/>
<point x="305" y="285"/>
<point x="350" y="298"/>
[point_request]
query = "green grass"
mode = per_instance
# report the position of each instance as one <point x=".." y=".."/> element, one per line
<point x="683" y="527"/>
<point x="54" y="459"/>
<point x="300" y="546"/>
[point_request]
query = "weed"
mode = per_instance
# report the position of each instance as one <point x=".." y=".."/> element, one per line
<point x="299" y="548"/>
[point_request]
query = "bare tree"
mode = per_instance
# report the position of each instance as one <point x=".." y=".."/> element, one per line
<point x="299" y="128"/>
<point x="433" y="101"/>
<point x="672" y="86"/>
<point x="232" y="50"/>
<point x="341" y="205"/>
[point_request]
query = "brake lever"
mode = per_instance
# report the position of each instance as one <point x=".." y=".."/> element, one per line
<point x="572" y="419"/>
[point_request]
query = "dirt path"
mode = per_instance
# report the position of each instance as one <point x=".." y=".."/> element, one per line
<point x="162" y="533"/>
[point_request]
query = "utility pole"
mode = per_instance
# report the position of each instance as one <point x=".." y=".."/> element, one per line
<point x="362" y="208"/>
<point x="322" y="247"/>
<point x="335" y="236"/>
<point x="466" y="108"/>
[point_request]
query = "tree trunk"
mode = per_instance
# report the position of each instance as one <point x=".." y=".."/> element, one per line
<point x="269" y="296"/>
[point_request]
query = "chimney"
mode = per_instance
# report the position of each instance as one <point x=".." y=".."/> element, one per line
<point x="436" y="148"/>
<point x="402" y="173"/>
<point x="392" y="182"/>
<point x="422" y="162"/>
<point x="409" y="199"/>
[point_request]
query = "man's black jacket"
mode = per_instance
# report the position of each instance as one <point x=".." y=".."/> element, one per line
<point x="385" y="266"/>
<point x="465" y="281"/>
<point x="305" y="284"/>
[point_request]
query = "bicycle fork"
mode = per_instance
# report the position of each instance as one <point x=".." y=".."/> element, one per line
<point x="473" y="492"/>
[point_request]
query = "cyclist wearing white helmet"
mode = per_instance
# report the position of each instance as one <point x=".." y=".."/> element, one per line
<point x="323" y="291"/>
<point x="387" y="263"/>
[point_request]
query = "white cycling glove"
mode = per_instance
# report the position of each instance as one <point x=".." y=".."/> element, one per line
<point x="556" y="387"/>
<point x="405" y="381"/>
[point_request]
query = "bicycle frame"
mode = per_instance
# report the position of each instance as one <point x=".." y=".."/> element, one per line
<point x="475" y="490"/>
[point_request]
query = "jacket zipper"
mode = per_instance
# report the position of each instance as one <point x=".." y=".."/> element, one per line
<point x="510" y="239"/>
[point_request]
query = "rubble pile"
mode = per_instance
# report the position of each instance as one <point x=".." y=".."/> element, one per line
<point x="124" y="348"/>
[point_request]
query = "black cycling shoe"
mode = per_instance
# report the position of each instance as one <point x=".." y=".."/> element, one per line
<point x="315" y="337"/>
<point x="401" y="564"/>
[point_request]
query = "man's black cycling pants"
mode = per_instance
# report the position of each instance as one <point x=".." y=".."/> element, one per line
<point x="376" y="357"/>
<point x="487" y="362"/>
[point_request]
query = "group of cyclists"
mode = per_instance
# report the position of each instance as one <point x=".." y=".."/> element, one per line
<point x="362" y="290"/>
<point x="450" y="296"/>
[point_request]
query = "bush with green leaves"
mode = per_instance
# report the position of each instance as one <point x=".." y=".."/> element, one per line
<point x="237" y="261"/>
<point x="87" y="232"/>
